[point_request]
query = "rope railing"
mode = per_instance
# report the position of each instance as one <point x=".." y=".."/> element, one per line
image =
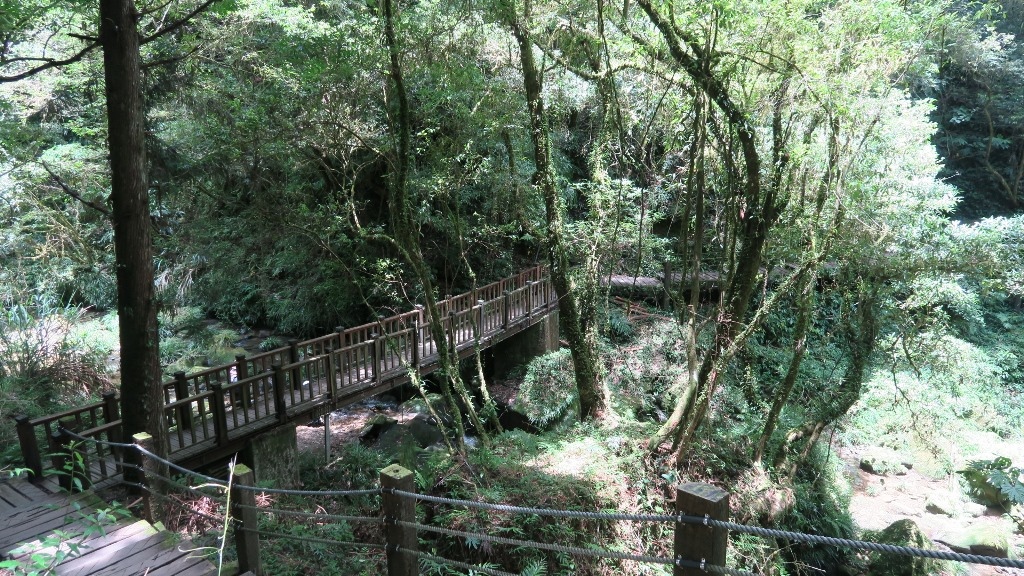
<point x="315" y="515"/>
<point x="701" y="511"/>
<point x="609" y="516"/>
<point x="574" y="550"/>
<point x="456" y="564"/>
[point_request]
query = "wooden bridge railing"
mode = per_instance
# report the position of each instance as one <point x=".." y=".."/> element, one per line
<point x="213" y="407"/>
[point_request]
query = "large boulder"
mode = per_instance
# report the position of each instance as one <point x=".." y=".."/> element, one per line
<point x="375" y="427"/>
<point x="884" y="461"/>
<point x="942" y="503"/>
<point x="984" y="539"/>
<point x="419" y="406"/>
<point x="900" y="533"/>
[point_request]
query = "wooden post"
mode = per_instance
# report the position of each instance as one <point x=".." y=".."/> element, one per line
<point x="243" y="513"/>
<point x="416" y="345"/>
<point x="29" y="447"/>
<point x="327" y="436"/>
<point x="241" y="373"/>
<point x="110" y="408"/>
<point x="529" y="298"/>
<point x="149" y="482"/>
<point x="279" y="404"/>
<point x="697" y="542"/>
<point x="332" y="375"/>
<point x="375" y="356"/>
<point x="397" y="508"/>
<point x="220" y="415"/>
<point x="180" y="392"/>
<point x="293" y="353"/>
<point x="340" y="330"/>
<point x="112" y="413"/>
<point x="478" y="328"/>
<point x="506" y="314"/>
<point x="69" y="460"/>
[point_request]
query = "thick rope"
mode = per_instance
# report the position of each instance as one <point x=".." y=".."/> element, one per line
<point x="593" y="553"/>
<point x="539" y="511"/>
<point x="335" y="517"/>
<point x="369" y="492"/>
<point x="191" y="489"/>
<point x="711" y="568"/>
<point x="854" y="544"/>
<point x="310" y="540"/>
<point x="456" y="563"/>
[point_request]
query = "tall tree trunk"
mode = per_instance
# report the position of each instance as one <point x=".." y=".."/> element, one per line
<point x="406" y="235"/>
<point x="141" y="397"/>
<point x="758" y="210"/>
<point x="576" y="303"/>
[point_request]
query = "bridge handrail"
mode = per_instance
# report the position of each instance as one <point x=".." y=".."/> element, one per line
<point x="364" y="353"/>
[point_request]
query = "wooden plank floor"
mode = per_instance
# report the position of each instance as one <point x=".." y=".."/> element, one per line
<point x="124" y="547"/>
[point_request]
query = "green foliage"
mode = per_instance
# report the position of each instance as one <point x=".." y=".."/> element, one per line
<point x="821" y="506"/>
<point x="188" y="341"/>
<point x="548" y="391"/>
<point x="508" y="473"/>
<point x="995" y="482"/>
<point x="43" y="366"/>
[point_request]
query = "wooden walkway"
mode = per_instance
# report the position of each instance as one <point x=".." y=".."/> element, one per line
<point x="62" y="531"/>
<point x="212" y="414"/>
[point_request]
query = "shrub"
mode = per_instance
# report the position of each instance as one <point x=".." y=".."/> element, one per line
<point x="995" y="482"/>
<point x="548" y="390"/>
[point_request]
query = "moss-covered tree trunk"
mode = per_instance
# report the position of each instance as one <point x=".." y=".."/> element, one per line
<point x="576" y="302"/>
<point x="406" y="235"/>
<point x="751" y="227"/>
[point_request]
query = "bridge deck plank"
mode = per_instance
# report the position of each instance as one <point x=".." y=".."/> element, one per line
<point x="127" y="547"/>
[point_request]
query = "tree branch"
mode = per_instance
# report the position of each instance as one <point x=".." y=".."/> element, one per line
<point x="171" y="60"/>
<point x="74" y="194"/>
<point x="51" y="63"/>
<point x="179" y="23"/>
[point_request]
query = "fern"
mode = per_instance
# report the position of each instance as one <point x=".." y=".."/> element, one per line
<point x="535" y="568"/>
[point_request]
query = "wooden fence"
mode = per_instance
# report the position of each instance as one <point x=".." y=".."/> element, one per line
<point x="210" y="412"/>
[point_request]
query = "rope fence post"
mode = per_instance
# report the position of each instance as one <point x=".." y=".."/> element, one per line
<point x="243" y="514"/>
<point x="395" y="509"/>
<point x="697" y="542"/>
<point x="148" y="481"/>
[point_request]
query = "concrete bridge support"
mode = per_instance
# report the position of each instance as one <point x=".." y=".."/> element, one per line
<point x="274" y="457"/>
<point x="517" y="350"/>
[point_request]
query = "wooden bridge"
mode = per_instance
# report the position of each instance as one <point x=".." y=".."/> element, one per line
<point x="211" y="414"/>
<point x="62" y="533"/>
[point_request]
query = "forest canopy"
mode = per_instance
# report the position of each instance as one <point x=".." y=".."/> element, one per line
<point x="850" y="171"/>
